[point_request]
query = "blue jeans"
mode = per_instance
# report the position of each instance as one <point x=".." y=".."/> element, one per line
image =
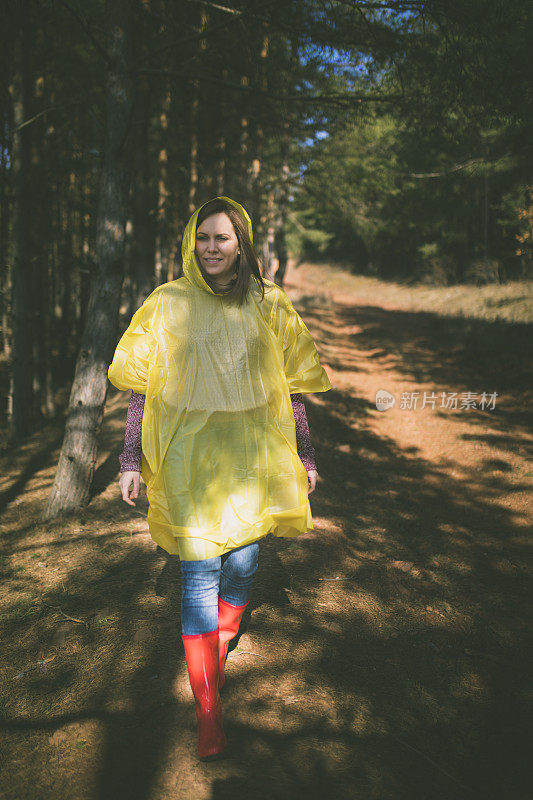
<point x="229" y="576"/>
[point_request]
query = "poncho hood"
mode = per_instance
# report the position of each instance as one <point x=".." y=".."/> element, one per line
<point x="191" y="270"/>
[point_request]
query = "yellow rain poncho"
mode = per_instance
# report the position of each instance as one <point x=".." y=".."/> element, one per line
<point x="219" y="454"/>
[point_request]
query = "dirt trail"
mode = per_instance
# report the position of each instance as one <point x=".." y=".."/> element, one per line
<point x="384" y="655"/>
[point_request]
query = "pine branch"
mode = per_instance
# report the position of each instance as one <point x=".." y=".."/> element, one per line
<point x="340" y="99"/>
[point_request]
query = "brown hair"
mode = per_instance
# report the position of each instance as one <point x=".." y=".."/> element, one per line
<point x="248" y="262"/>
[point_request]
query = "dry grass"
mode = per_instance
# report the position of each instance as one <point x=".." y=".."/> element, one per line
<point x="510" y="302"/>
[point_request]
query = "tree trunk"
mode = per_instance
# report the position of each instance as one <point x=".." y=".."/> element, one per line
<point x="86" y="249"/>
<point x="283" y="201"/>
<point x="194" y="117"/>
<point x="193" y="153"/>
<point x="268" y="242"/>
<point x="142" y="250"/>
<point x="257" y="163"/>
<point x="5" y="249"/>
<point x="21" y="401"/>
<point x="220" y="152"/>
<point x="244" y="155"/>
<point x="87" y="399"/>
<point x="161" y="238"/>
<point x="280" y="244"/>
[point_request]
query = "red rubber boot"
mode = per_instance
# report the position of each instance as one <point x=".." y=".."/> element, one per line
<point x="202" y="655"/>
<point x="229" y="618"/>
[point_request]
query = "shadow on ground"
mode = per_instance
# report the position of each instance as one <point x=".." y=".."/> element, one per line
<point x="385" y="652"/>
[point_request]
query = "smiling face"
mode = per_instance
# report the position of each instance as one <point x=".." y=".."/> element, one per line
<point x="217" y="248"/>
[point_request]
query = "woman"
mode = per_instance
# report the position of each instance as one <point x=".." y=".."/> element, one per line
<point x="217" y="362"/>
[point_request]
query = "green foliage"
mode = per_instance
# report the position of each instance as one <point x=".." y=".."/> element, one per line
<point x="397" y="205"/>
<point x="431" y="180"/>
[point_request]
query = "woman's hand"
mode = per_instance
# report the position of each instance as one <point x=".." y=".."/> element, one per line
<point x="125" y="482"/>
<point x="312" y="475"/>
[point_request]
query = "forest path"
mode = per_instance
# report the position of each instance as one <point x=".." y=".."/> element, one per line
<point x="384" y="652"/>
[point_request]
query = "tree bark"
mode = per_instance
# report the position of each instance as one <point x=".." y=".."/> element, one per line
<point x="268" y="242"/>
<point x="87" y="399"/>
<point x="5" y="244"/>
<point x="161" y="238"/>
<point x="283" y="200"/>
<point x="142" y="247"/>
<point x="194" y="119"/>
<point x="257" y="163"/>
<point x="21" y="390"/>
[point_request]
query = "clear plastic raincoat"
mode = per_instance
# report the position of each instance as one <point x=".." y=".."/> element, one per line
<point x="219" y="454"/>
